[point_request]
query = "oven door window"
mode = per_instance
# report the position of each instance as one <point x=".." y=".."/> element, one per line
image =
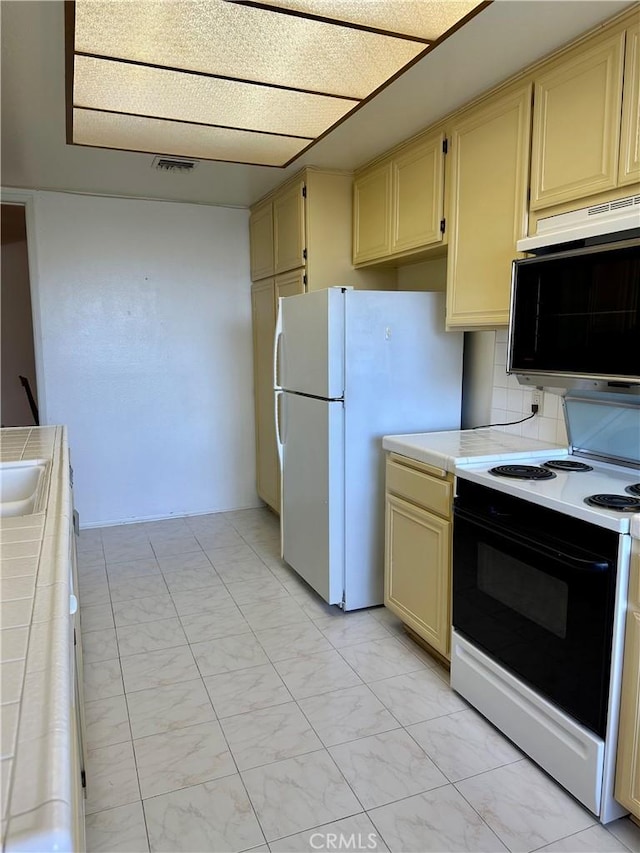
<point x="533" y="594"/>
<point x="543" y="615"/>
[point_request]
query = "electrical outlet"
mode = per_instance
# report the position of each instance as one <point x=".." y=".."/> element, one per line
<point x="536" y="397"/>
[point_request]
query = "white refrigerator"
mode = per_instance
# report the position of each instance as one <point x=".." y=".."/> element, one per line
<point x="349" y="367"/>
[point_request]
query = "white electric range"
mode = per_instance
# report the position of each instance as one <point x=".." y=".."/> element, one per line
<point x="540" y="578"/>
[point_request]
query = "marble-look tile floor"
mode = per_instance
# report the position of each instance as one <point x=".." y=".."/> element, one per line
<point x="228" y="708"/>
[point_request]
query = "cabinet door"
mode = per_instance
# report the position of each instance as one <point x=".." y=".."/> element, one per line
<point x="418" y="195"/>
<point x="290" y="284"/>
<point x="488" y="161"/>
<point x="261" y="241"/>
<point x="263" y="314"/>
<point x="576" y="125"/>
<point x="627" y="789"/>
<point x="372" y="214"/>
<point x="418" y="571"/>
<point x="629" y="168"/>
<point x="289" y="228"/>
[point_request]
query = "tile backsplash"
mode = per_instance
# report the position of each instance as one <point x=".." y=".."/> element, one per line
<point x="510" y="401"/>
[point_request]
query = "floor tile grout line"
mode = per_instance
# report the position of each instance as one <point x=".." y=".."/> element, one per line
<point x="427" y="791"/>
<point x="323" y="749"/>
<point x="573" y="834"/>
<point x="363" y="737"/>
<point x="624" y="844"/>
<point x="465" y="778"/>
<point x="235" y="763"/>
<point x="478" y="813"/>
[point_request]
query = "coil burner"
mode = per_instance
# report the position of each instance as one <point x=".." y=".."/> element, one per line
<point x="522" y="472"/>
<point x="566" y="465"/>
<point x="620" y="503"/>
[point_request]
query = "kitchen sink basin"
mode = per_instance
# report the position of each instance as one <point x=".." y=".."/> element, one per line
<point x="21" y="487"/>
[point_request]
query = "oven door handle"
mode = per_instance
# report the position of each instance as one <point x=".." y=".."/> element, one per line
<point x="579" y="563"/>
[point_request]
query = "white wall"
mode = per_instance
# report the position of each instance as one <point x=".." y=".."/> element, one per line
<point x="425" y="275"/>
<point x="145" y="323"/>
<point x="477" y="388"/>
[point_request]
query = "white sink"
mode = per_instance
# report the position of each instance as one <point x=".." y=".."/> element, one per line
<point x="21" y="486"/>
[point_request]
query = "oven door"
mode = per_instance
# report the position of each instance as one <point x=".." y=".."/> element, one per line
<point x="545" y="613"/>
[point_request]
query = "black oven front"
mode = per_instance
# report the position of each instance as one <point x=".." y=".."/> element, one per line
<point x="534" y="589"/>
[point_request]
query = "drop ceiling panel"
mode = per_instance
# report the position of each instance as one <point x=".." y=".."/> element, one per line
<point x="227" y="39"/>
<point x="109" y="130"/>
<point x="120" y="87"/>
<point x="422" y="19"/>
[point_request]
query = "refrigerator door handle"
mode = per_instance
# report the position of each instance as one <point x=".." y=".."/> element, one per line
<point x="276" y="348"/>
<point x="277" y="394"/>
<point x="279" y="443"/>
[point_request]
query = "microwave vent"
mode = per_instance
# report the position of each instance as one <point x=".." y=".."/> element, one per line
<point x="611" y="217"/>
<point x="618" y="204"/>
<point x="623" y="202"/>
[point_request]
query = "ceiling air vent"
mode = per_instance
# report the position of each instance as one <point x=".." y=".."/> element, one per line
<point x="177" y="165"/>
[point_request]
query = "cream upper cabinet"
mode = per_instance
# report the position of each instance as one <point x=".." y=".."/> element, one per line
<point x="488" y="165"/>
<point x="629" y="166"/>
<point x="398" y="203"/>
<point x="417" y="183"/>
<point x="312" y="220"/>
<point x="576" y="124"/>
<point x="418" y="550"/>
<point x="627" y="790"/>
<point x="261" y="241"/>
<point x="372" y="214"/>
<point x="289" y="238"/>
<point x="263" y="310"/>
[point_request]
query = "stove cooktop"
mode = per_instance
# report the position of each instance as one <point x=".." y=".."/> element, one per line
<point x="565" y="484"/>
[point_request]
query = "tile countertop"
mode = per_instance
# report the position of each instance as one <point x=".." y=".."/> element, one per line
<point x="447" y="449"/>
<point x="35" y="652"/>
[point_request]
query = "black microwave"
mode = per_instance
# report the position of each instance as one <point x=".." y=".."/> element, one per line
<point x="575" y="317"/>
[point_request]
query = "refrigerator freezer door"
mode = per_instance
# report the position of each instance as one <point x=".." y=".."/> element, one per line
<point x="313" y="492"/>
<point x="311" y="350"/>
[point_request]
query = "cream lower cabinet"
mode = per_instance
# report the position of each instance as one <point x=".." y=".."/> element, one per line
<point x="488" y="176"/>
<point x="418" y="549"/>
<point x="289" y="284"/>
<point x="263" y="311"/>
<point x="627" y="789"/>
